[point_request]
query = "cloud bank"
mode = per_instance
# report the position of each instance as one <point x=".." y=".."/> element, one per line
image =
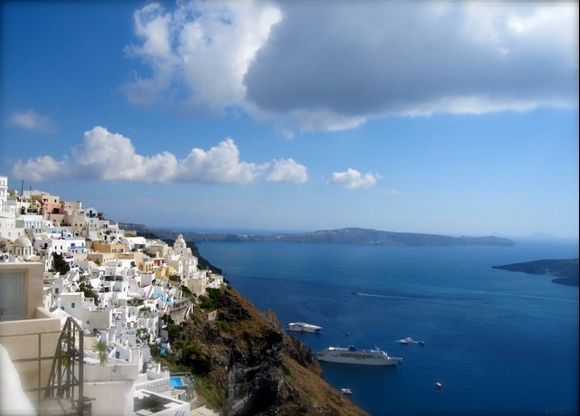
<point x="112" y="157"/>
<point x="353" y="179"/>
<point x="332" y="66"/>
<point x="32" y="121"/>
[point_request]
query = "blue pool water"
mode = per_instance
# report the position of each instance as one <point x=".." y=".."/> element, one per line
<point x="176" y="382"/>
<point x="502" y="343"/>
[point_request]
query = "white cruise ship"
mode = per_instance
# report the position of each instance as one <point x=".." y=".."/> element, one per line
<point x="303" y="327"/>
<point x="351" y="355"/>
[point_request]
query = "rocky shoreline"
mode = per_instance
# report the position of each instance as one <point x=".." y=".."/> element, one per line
<point x="566" y="270"/>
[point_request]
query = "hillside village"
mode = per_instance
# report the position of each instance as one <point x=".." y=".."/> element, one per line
<point x="119" y="288"/>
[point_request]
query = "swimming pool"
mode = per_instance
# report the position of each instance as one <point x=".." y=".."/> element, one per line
<point x="176" y="382"/>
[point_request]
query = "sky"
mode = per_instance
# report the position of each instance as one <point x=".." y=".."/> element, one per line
<point x="436" y="117"/>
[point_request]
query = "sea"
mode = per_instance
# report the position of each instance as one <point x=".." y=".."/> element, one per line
<point x="500" y="342"/>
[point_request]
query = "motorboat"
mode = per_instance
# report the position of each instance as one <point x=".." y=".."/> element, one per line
<point x="346" y="391"/>
<point x="303" y="327"/>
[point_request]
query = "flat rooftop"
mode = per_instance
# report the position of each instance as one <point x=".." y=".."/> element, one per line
<point x="148" y="403"/>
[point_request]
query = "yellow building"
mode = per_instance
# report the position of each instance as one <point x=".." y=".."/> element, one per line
<point x="136" y="256"/>
<point x="101" y="258"/>
<point x="108" y="247"/>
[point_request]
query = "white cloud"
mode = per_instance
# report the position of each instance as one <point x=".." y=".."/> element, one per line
<point x="205" y="46"/>
<point x="219" y="164"/>
<point x="287" y="170"/>
<point x="104" y="155"/>
<point x="32" y="121"/>
<point x="353" y="179"/>
<point x="110" y="156"/>
<point x="40" y="169"/>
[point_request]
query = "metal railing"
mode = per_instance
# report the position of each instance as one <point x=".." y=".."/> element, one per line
<point x="66" y="377"/>
<point x="68" y="361"/>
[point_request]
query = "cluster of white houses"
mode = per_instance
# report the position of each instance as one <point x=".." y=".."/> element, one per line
<point x="117" y="289"/>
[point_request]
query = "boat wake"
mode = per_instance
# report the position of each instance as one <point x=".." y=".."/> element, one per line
<point x="374" y="295"/>
<point x="463" y="297"/>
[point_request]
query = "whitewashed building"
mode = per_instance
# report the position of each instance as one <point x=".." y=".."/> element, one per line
<point x="8" y="209"/>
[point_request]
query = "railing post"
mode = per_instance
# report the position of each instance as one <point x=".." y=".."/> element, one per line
<point x="68" y="358"/>
<point x="81" y="372"/>
<point x="39" y="367"/>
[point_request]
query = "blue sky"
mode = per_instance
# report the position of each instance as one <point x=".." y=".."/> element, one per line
<point x="444" y="118"/>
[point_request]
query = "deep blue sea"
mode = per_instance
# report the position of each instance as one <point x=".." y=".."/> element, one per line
<point x="502" y="343"/>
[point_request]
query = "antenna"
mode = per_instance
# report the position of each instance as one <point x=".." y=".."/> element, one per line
<point x="21" y="187"/>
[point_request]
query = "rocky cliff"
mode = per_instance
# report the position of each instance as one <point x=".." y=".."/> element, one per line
<point x="245" y="364"/>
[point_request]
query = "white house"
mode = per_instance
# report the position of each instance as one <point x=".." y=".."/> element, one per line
<point x="135" y="243"/>
<point x="60" y="245"/>
<point x="8" y="228"/>
<point x="32" y="222"/>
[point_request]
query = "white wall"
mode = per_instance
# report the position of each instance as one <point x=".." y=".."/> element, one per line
<point x="111" y="384"/>
<point x="111" y="398"/>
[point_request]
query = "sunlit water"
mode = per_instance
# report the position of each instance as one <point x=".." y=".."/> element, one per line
<point x="500" y="342"/>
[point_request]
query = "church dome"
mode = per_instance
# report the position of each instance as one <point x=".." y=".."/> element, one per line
<point x="22" y="242"/>
<point x="180" y="245"/>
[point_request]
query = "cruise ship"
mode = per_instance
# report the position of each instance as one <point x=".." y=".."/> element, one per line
<point x="351" y="355"/>
<point x="303" y="327"/>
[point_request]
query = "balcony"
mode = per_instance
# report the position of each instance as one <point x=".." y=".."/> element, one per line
<point x="47" y="360"/>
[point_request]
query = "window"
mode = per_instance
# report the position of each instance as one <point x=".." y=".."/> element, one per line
<point x="56" y="290"/>
<point x="72" y="305"/>
<point x="12" y="296"/>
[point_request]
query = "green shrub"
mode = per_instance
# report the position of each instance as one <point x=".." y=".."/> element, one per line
<point x="213" y="300"/>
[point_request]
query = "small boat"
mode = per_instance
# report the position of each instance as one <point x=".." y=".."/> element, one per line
<point x="439" y="385"/>
<point x="346" y="391"/>
<point x="303" y="327"/>
<point x="406" y="341"/>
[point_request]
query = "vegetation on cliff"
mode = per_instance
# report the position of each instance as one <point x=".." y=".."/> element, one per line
<point x="245" y="364"/>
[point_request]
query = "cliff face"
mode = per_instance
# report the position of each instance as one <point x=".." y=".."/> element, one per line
<point x="246" y="365"/>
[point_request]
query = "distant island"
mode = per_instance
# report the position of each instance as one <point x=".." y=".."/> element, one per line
<point x="565" y="269"/>
<point x="362" y="236"/>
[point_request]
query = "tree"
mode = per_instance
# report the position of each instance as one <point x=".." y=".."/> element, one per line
<point x="59" y="264"/>
<point x="88" y="292"/>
